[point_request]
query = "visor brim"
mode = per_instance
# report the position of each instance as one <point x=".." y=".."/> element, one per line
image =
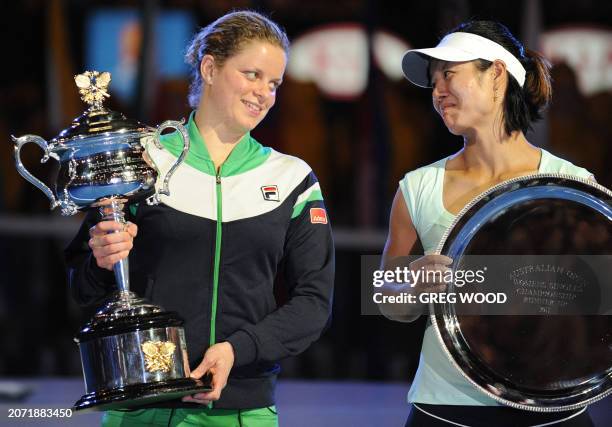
<point x="415" y="63"/>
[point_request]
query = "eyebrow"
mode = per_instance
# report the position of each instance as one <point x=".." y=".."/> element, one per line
<point x="445" y="66"/>
<point x="260" y="71"/>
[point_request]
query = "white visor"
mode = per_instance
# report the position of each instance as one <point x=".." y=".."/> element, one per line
<point x="457" y="47"/>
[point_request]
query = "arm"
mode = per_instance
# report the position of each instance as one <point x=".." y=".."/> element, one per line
<point x="289" y="330"/>
<point x="309" y="275"/>
<point x="401" y="241"/>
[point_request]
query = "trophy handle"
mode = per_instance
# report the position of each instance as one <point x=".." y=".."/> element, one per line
<point x="20" y="142"/>
<point x="178" y="125"/>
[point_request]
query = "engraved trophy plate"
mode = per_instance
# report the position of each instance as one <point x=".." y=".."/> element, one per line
<point x="132" y="352"/>
<point x="158" y="355"/>
<point x="551" y="349"/>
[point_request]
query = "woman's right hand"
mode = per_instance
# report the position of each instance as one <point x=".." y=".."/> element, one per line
<point x="111" y="241"/>
<point x="429" y="272"/>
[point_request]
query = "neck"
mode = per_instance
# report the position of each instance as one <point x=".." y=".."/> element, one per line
<point x="219" y="140"/>
<point x="494" y="153"/>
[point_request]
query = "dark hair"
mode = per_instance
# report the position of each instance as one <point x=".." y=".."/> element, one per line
<point x="522" y="106"/>
<point x="226" y="37"/>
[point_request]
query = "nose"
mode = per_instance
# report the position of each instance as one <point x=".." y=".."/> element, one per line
<point x="439" y="89"/>
<point x="261" y="90"/>
<point x="438" y="93"/>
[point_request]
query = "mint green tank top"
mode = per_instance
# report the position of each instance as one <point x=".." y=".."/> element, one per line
<point x="437" y="381"/>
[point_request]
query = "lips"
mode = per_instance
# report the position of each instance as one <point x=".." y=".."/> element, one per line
<point x="253" y="108"/>
<point x="445" y="106"/>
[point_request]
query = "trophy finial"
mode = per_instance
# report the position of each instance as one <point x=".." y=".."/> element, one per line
<point x="92" y="87"/>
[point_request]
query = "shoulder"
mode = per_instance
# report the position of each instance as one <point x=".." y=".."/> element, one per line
<point x="290" y="168"/>
<point x="427" y="170"/>
<point x="423" y="178"/>
<point x="292" y="163"/>
<point x="291" y="175"/>
<point x="421" y="187"/>
<point x="555" y="164"/>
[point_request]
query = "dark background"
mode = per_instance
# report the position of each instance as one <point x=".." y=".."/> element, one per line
<point x="359" y="149"/>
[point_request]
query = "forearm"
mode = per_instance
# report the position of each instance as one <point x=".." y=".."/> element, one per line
<point x="287" y="331"/>
<point x="399" y="312"/>
<point x="409" y="308"/>
<point x="403" y="297"/>
<point x="89" y="284"/>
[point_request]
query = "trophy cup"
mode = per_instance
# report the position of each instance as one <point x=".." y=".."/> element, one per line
<point x="132" y="352"/>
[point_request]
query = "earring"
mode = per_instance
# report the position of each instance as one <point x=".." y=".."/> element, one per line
<point x="495" y="96"/>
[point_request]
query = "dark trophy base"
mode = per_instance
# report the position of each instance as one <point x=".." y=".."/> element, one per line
<point x="142" y="394"/>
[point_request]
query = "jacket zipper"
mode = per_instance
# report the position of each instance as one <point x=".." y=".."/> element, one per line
<point x="213" y="315"/>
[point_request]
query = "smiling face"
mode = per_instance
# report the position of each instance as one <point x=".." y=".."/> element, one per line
<point x="239" y="93"/>
<point x="463" y="96"/>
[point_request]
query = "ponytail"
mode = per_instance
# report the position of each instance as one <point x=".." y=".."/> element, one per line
<point x="538" y="87"/>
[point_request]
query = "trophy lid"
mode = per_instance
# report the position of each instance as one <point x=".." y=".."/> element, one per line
<point x="97" y="120"/>
<point x="125" y="312"/>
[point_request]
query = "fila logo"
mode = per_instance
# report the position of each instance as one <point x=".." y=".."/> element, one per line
<point x="318" y="216"/>
<point x="270" y="192"/>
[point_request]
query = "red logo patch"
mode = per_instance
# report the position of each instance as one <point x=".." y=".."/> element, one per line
<point x="318" y="216"/>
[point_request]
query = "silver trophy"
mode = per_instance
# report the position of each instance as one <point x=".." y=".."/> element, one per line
<point x="132" y="352"/>
<point x="546" y="240"/>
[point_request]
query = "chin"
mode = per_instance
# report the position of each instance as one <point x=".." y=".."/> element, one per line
<point x="252" y="122"/>
<point x="455" y="129"/>
<point x="244" y="124"/>
<point x="250" y="125"/>
<point x="452" y="129"/>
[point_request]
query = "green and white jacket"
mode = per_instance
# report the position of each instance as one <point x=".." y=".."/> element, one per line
<point x="212" y="251"/>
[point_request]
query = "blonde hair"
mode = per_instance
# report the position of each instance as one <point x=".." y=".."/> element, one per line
<point x="226" y="37"/>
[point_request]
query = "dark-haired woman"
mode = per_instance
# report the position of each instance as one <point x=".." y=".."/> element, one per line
<point x="488" y="89"/>
<point x="238" y="213"/>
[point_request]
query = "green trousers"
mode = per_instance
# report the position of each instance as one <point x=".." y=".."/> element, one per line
<point x="261" y="417"/>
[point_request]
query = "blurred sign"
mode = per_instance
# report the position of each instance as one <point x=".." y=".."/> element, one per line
<point x="388" y="50"/>
<point x="114" y="41"/>
<point x="336" y="58"/>
<point x="588" y="51"/>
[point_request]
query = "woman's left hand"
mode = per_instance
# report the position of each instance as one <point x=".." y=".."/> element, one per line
<point x="218" y="360"/>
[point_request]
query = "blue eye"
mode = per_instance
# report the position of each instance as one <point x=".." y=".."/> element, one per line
<point x="251" y="75"/>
